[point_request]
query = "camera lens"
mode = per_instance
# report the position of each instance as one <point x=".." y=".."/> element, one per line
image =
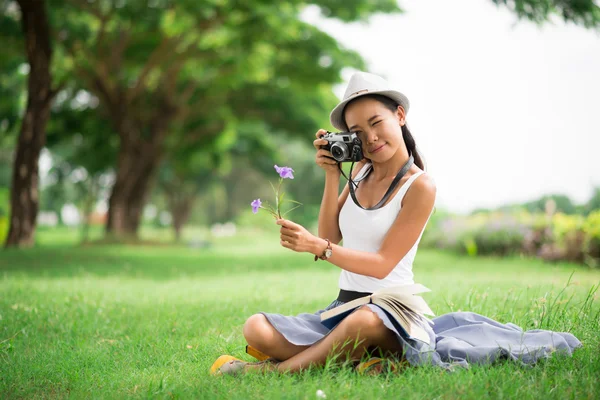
<point x="339" y="152"/>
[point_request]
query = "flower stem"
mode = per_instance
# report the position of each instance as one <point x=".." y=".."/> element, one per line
<point x="277" y="197"/>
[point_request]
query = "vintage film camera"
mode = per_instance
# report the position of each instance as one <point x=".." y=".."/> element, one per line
<point x="344" y="146"/>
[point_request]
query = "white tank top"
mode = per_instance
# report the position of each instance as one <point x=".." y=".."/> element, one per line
<point x="365" y="230"/>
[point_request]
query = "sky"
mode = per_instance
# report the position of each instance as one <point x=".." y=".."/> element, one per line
<point x="503" y="111"/>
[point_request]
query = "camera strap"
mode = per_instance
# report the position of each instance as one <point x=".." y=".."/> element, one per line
<point x="390" y="190"/>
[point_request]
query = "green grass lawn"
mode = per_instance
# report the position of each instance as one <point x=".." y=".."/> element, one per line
<point x="148" y="321"/>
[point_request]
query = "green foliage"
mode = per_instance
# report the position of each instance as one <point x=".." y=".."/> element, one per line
<point x="233" y="75"/>
<point x="556" y="202"/>
<point x="309" y="177"/>
<point x="470" y="246"/>
<point x="591" y="225"/>
<point x="13" y="76"/>
<point x="560" y="202"/>
<point x="4" y="226"/>
<point x="4" y="201"/>
<point x="591" y="229"/>
<point x="563" y="204"/>
<point x="563" y="225"/>
<point x="6" y="156"/>
<point x="580" y="12"/>
<point x="4" y="213"/>
<point x="594" y="202"/>
<point x="198" y="73"/>
<point x="79" y="135"/>
<point x="505" y="239"/>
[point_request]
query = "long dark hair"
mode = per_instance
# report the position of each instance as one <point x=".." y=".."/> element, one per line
<point x="409" y="141"/>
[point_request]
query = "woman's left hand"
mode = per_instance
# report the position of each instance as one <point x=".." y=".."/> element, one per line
<point x="296" y="237"/>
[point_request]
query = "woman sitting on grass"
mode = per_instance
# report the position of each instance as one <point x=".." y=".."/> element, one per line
<point x="380" y="245"/>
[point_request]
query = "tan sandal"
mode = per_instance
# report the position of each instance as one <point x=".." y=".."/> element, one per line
<point x="222" y="360"/>
<point x="229" y="365"/>
<point x="233" y="367"/>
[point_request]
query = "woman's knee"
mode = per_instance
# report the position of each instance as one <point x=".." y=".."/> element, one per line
<point x="257" y="330"/>
<point x="364" y="323"/>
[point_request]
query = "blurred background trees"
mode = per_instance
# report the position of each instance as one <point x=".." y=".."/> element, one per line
<point x="161" y="72"/>
<point x="174" y="112"/>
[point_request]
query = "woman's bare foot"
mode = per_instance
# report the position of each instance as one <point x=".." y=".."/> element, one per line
<point x="261" y="366"/>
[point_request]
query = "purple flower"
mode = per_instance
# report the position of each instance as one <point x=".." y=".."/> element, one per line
<point x="255" y="205"/>
<point x="284" y="172"/>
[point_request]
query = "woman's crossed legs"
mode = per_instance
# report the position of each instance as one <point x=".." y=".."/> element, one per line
<point x="361" y="330"/>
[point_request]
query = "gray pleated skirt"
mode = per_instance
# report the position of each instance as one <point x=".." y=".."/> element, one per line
<point x="306" y="328"/>
<point x="455" y="340"/>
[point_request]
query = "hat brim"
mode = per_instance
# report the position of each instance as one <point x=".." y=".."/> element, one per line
<point x="337" y="115"/>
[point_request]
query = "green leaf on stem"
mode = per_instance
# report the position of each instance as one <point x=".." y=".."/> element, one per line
<point x="294" y="201"/>
<point x="292" y="209"/>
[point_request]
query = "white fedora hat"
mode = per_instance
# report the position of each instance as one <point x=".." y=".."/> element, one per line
<point x="363" y="83"/>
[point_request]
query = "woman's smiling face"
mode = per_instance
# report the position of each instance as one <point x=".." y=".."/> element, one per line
<point x="377" y="127"/>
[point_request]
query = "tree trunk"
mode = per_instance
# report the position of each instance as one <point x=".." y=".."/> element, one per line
<point x="24" y="195"/>
<point x="136" y="168"/>
<point x="181" y="209"/>
<point x="88" y="207"/>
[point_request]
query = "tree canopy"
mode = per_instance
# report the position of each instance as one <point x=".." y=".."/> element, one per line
<point x="163" y="88"/>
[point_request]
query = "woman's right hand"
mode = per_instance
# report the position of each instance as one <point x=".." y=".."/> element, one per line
<point x="324" y="159"/>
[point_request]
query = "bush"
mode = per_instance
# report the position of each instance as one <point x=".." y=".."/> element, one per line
<point x="4" y="214"/>
<point x="557" y="237"/>
<point x="481" y="233"/>
<point x="4" y="202"/>
<point x="500" y="236"/>
<point x="568" y="243"/>
<point x="591" y="229"/>
<point x="3" y="229"/>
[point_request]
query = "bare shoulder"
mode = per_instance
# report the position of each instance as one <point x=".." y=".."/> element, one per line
<point x="422" y="190"/>
<point x="424" y="183"/>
